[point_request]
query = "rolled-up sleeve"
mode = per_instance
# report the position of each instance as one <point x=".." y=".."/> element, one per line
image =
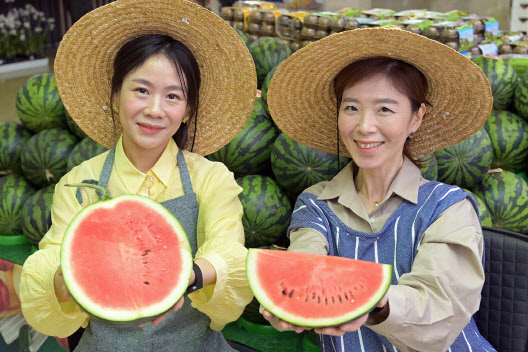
<point x="432" y="303"/>
<point x="40" y="306"/>
<point x="221" y="242"/>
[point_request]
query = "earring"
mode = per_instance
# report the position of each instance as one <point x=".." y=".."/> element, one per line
<point x="115" y="107"/>
<point x="411" y="135"/>
<point x="185" y="119"/>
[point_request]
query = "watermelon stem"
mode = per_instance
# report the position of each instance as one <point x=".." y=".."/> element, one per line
<point x="103" y="190"/>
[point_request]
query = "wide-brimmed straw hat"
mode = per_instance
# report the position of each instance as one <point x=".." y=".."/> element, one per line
<point x="84" y="67"/>
<point x="302" y="101"/>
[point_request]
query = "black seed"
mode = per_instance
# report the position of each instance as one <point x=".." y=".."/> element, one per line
<point x="306" y="299"/>
<point x="147" y="283"/>
<point x="346" y="297"/>
<point x="340" y="300"/>
<point x="284" y="292"/>
<point x="313" y="295"/>
<point x="318" y="300"/>
<point x="326" y="301"/>
<point x="291" y="293"/>
<point x="333" y="301"/>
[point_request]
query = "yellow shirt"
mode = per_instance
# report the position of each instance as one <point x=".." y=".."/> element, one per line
<point x="220" y="236"/>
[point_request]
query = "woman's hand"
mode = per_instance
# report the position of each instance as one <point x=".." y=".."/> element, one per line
<point x="61" y="291"/>
<point x="161" y="318"/>
<point x="340" y="330"/>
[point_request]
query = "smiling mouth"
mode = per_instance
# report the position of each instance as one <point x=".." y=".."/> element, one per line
<point x="369" y="145"/>
<point x="150" y="127"/>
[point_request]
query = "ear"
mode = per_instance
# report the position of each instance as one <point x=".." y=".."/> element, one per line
<point x="418" y="118"/>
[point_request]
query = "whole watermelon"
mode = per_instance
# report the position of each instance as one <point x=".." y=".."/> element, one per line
<point x="484" y="213"/>
<point x="429" y="171"/>
<point x="506" y="196"/>
<point x="84" y="150"/>
<point x="503" y="80"/>
<point x="242" y="35"/>
<point x="268" y="52"/>
<point x="36" y="214"/>
<point x="520" y="97"/>
<point x="264" y="89"/>
<point x="464" y="164"/>
<point x="39" y="105"/>
<point x="509" y="137"/>
<point x="74" y="127"/>
<point x="267" y="210"/>
<point x="13" y="138"/>
<point x="249" y="152"/>
<point x="14" y="192"/>
<point x="45" y="157"/>
<point x="297" y="167"/>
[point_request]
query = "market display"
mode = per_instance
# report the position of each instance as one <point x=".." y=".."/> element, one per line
<point x="146" y="262"/>
<point x="328" y="291"/>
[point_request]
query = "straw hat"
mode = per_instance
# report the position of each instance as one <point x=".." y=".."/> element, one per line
<point x="302" y="101"/>
<point x="84" y="67"/>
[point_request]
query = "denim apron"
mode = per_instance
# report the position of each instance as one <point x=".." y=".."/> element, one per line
<point x="185" y="330"/>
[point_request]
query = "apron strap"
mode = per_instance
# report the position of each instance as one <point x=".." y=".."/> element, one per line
<point x="184" y="174"/>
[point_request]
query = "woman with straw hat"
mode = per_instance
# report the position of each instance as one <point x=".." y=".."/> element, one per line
<point x="160" y="83"/>
<point x="384" y="97"/>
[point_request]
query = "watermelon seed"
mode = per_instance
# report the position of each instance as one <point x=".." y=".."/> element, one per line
<point x="340" y="300"/>
<point x="291" y="293"/>
<point x="326" y="301"/>
<point x="318" y="300"/>
<point x="306" y="299"/>
<point x="313" y="295"/>
<point x="284" y="292"/>
<point x="346" y="297"/>
<point x="333" y="301"/>
<point x="147" y="283"/>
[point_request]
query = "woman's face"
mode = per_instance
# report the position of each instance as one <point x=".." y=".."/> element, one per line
<point x="374" y="122"/>
<point x="151" y="105"/>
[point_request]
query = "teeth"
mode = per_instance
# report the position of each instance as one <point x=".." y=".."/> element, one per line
<point x="369" y="145"/>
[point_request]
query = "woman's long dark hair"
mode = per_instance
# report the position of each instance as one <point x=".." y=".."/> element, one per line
<point x="134" y="53"/>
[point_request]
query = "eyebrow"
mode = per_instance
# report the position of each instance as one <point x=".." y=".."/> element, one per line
<point x="377" y="101"/>
<point x="149" y="84"/>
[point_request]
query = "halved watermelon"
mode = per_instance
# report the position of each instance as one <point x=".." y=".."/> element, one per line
<point x="315" y="290"/>
<point x="125" y="259"/>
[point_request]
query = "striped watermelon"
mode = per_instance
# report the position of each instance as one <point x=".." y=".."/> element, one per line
<point x="73" y="127"/>
<point x="44" y="159"/>
<point x="13" y="138"/>
<point x="39" y="105"/>
<point x="268" y="52"/>
<point x="36" y="215"/>
<point x="84" y="150"/>
<point x="484" y="213"/>
<point x="14" y="192"/>
<point x="264" y="89"/>
<point x="502" y="77"/>
<point x="506" y="196"/>
<point x="249" y="152"/>
<point x="267" y="210"/>
<point x="464" y="164"/>
<point x="243" y="36"/>
<point x="297" y="167"/>
<point x="509" y="137"/>
<point x="520" y="97"/>
<point x="430" y="170"/>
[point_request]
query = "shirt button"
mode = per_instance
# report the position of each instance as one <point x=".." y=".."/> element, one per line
<point x="371" y="220"/>
<point x="149" y="179"/>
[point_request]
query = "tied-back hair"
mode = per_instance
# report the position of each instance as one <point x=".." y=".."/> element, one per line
<point x="134" y="54"/>
<point x="406" y="78"/>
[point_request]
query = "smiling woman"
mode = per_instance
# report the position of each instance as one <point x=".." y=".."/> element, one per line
<point x="393" y="104"/>
<point x="144" y="84"/>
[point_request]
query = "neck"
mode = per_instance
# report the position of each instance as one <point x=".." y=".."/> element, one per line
<point x="143" y="159"/>
<point x="375" y="183"/>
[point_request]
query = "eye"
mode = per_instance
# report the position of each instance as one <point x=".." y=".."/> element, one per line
<point x="173" y="96"/>
<point x="350" y="108"/>
<point x="141" y="90"/>
<point x="385" y="109"/>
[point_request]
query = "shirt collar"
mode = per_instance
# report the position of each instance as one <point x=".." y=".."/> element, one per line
<point x="133" y="178"/>
<point x="405" y="184"/>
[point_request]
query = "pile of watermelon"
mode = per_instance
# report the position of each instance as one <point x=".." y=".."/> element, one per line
<point x="492" y="164"/>
<point x="34" y="155"/>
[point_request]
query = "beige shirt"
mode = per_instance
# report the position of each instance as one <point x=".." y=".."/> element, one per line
<point x="430" y="305"/>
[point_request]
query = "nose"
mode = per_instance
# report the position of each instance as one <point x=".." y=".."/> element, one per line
<point x="154" y="107"/>
<point x="367" y="122"/>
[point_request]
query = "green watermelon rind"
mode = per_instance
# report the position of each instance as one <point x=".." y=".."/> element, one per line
<point x="267" y="303"/>
<point x="125" y="316"/>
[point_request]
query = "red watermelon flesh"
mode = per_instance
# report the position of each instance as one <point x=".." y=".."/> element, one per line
<point x="315" y="290"/>
<point x="126" y="259"/>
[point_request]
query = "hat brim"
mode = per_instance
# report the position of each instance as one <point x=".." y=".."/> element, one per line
<point x="302" y="101"/>
<point x="84" y="67"/>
